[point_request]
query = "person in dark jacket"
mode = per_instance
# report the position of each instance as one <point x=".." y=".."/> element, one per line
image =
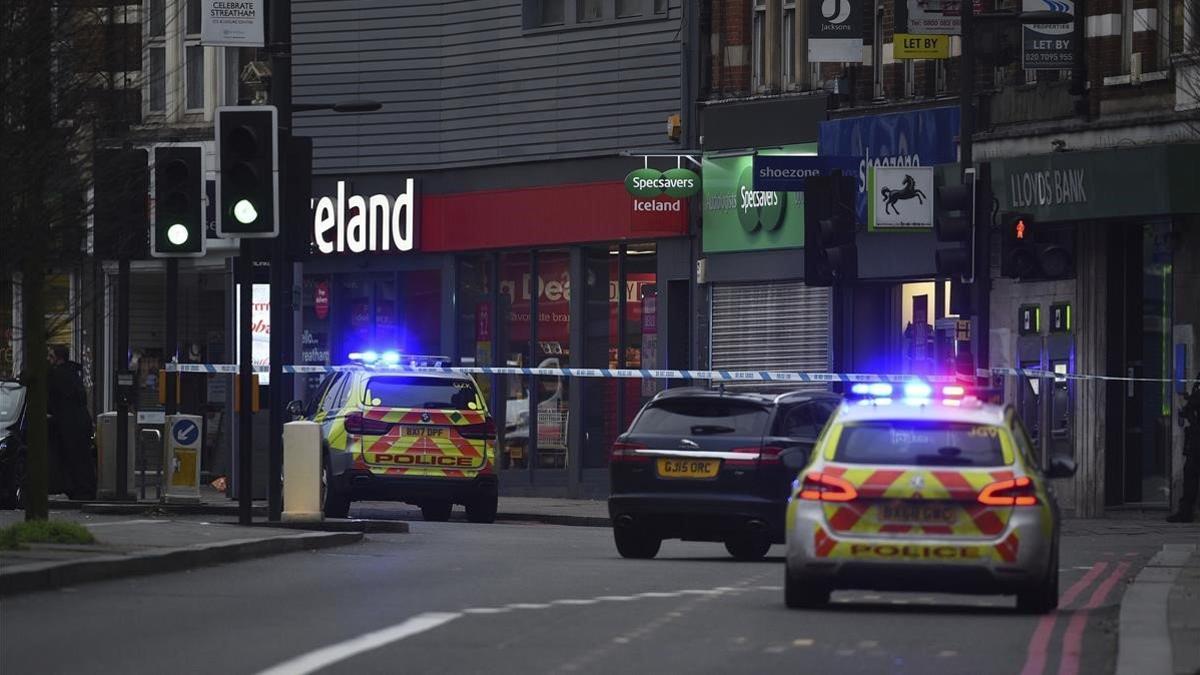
<point x="1190" y="416"/>
<point x="71" y="425"/>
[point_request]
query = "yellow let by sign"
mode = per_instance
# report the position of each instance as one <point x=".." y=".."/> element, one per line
<point x="908" y="46"/>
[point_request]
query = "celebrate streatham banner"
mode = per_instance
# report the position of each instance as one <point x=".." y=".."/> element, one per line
<point x="232" y="23"/>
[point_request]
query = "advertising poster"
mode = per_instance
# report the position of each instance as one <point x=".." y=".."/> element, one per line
<point x="1047" y="46"/>
<point x="835" y="31"/>
<point x="260" y="329"/>
<point x="232" y="23"/>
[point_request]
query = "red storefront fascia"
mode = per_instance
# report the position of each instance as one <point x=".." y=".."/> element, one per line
<point x="544" y="216"/>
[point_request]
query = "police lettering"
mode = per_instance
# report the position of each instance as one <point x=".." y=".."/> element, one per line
<point x="912" y="551"/>
<point x="425" y="460"/>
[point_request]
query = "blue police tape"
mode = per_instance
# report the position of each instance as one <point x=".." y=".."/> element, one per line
<point x="628" y="373"/>
<point x="1037" y="373"/>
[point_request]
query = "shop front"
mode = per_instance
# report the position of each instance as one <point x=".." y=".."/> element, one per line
<point x="1126" y="308"/>
<point x="897" y="316"/>
<point x="549" y="276"/>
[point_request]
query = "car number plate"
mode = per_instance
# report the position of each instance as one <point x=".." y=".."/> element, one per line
<point x="430" y="432"/>
<point x="688" y="468"/>
<point x="917" y="512"/>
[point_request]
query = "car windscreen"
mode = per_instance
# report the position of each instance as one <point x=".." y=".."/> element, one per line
<point x="408" y="391"/>
<point x="920" y="443"/>
<point x="700" y="416"/>
<point x="11" y="396"/>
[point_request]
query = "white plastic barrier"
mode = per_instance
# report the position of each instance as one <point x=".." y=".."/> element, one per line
<point x="302" y="472"/>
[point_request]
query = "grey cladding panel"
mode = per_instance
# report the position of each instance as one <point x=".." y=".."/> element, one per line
<point x="462" y="82"/>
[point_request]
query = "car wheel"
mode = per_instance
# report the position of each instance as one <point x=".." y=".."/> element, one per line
<point x="748" y="547"/>
<point x="482" y="509"/>
<point x="436" y="512"/>
<point x="801" y="594"/>
<point x="1042" y="598"/>
<point x="633" y="542"/>
<point x="333" y="503"/>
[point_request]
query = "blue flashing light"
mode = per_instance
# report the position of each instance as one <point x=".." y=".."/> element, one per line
<point x="917" y="390"/>
<point x="916" y="401"/>
<point x="364" y="357"/>
<point x="861" y="389"/>
<point x="391" y="357"/>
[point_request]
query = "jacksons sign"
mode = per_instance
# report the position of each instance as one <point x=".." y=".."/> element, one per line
<point x="374" y="224"/>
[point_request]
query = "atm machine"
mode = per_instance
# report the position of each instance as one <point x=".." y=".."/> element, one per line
<point x="1029" y="356"/>
<point x="1060" y="357"/>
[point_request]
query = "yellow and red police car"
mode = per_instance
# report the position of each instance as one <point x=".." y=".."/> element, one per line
<point x="911" y="490"/>
<point x="394" y="434"/>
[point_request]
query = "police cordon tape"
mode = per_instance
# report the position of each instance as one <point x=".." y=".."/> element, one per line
<point x="644" y="374"/>
<point x="627" y="373"/>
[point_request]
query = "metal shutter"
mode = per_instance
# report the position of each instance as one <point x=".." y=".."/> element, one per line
<point x="770" y="326"/>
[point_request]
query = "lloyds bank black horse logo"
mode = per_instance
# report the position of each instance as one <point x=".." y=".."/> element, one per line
<point x="907" y="192"/>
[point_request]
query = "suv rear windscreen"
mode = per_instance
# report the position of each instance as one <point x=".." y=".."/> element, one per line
<point x="920" y="444"/>
<point x="700" y="416"/>
<point x="401" y="391"/>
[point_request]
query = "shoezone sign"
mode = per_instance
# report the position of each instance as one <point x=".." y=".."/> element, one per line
<point x="900" y="197"/>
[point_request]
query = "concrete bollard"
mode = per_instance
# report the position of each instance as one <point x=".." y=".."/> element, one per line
<point x="302" y="472"/>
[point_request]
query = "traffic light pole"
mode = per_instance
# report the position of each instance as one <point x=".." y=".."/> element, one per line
<point x="245" y="484"/>
<point x="981" y="288"/>
<point x="124" y="379"/>
<point x="282" y="346"/>
<point x="171" y="348"/>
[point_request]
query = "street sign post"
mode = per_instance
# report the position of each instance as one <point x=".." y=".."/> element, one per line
<point x="182" y="460"/>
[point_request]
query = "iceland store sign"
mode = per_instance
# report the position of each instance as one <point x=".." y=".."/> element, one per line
<point x="374" y="224"/>
<point x="915" y="138"/>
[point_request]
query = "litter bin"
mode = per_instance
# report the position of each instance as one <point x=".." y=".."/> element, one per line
<point x="106" y="456"/>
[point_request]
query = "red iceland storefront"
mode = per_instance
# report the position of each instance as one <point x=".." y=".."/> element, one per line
<point x="579" y="274"/>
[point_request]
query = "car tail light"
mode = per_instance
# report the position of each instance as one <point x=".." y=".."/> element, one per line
<point x="626" y="452"/>
<point x="749" y="457"/>
<point x="823" y="487"/>
<point x="1014" y="492"/>
<point x="362" y="426"/>
<point x="480" y="432"/>
<point x="771" y="454"/>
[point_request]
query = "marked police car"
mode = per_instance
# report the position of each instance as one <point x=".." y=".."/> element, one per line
<point x="924" y="492"/>
<point x="394" y="434"/>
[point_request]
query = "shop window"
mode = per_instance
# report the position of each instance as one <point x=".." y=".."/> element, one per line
<point x="476" y="322"/>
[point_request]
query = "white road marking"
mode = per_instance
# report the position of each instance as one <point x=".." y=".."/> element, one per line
<point x="803" y="642"/>
<point x="947" y="653"/>
<point x="316" y="660"/>
<point x="777" y="649"/>
<point x="868" y="644"/>
<point x="126" y="522"/>
<point x="320" y="658"/>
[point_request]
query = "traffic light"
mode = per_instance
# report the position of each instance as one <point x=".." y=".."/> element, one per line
<point x="1032" y="251"/>
<point x="830" y="253"/>
<point x="248" y="172"/>
<point x="121" y="186"/>
<point x="178" y="229"/>
<point x="954" y="222"/>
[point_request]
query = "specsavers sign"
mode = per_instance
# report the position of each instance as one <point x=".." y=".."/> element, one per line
<point x="739" y="218"/>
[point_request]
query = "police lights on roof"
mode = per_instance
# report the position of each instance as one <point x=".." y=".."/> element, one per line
<point x="365" y="224"/>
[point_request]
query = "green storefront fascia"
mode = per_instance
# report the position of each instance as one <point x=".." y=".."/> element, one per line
<point x="737" y="221"/>
<point x="1154" y="180"/>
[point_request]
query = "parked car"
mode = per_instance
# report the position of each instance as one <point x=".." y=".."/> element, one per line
<point x="711" y="465"/>
<point x="12" y="443"/>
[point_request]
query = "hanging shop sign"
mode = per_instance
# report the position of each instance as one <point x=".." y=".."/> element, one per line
<point x="232" y="23"/>
<point x="788" y="173"/>
<point x="739" y="218"/>
<point x="910" y="46"/>
<point x="375" y="224"/>
<point x="900" y="198"/>
<point x="1047" y="46"/>
<point x="835" y="31"/>
<point x="928" y="17"/>
<point x="648" y="182"/>
<point x="913" y="138"/>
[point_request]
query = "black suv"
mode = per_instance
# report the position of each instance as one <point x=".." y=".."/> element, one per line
<point x="12" y="443"/>
<point x="709" y="465"/>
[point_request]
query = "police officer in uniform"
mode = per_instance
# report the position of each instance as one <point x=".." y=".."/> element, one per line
<point x="1189" y="415"/>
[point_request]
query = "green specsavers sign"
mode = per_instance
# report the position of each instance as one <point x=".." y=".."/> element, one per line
<point x="738" y="218"/>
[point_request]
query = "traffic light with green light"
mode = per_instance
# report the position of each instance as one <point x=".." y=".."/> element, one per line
<point x="247" y="172"/>
<point x="178" y="229"/>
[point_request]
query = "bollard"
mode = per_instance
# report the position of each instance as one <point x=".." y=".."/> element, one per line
<point x="302" y="472"/>
<point x="181" y="461"/>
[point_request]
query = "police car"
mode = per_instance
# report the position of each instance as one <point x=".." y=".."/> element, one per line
<point x="390" y="433"/>
<point x="912" y="489"/>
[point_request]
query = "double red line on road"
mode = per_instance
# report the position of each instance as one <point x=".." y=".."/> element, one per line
<point x="1039" y="644"/>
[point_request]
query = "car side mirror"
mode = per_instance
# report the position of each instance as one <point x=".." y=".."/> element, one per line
<point x="1061" y="466"/>
<point x="295" y="409"/>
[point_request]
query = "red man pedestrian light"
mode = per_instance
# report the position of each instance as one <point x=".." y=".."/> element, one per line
<point x="1020" y="228"/>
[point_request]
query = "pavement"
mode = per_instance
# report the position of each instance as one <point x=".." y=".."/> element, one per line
<point x="1158" y="626"/>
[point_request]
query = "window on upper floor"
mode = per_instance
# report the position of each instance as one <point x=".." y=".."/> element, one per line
<point x="550" y="12"/>
<point x="787" y="43"/>
<point x="156" y="57"/>
<point x="193" y="57"/>
<point x="590" y="10"/>
<point x="580" y="13"/>
<point x="777" y="49"/>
